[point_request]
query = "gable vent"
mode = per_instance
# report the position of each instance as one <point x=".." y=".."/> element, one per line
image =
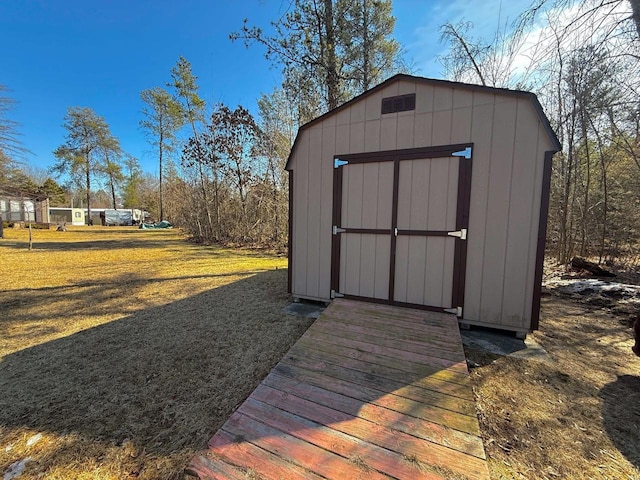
<point x="401" y="103"/>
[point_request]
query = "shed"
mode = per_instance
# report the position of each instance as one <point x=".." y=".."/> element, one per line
<point x="427" y="194"/>
<point x="17" y="205"/>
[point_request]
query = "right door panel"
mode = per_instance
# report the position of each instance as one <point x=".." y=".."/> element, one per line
<point x="427" y="202"/>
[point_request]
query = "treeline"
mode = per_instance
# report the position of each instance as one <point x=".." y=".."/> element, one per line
<point x="583" y="62"/>
<point x="221" y="171"/>
<point x="230" y="184"/>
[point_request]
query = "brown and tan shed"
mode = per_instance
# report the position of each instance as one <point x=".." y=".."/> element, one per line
<point x="425" y="193"/>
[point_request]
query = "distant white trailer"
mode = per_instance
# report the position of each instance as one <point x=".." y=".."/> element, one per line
<point x="118" y="217"/>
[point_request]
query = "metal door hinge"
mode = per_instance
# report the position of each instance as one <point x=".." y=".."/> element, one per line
<point x="461" y="234"/>
<point x="338" y="163"/>
<point x="456" y="311"/>
<point x="335" y="294"/>
<point x="466" y="153"/>
<point x="336" y="230"/>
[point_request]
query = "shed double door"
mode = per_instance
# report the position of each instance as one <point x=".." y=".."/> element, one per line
<point x="400" y="225"/>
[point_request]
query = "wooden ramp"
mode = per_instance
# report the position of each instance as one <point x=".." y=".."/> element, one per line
<point x="368" y="392"/>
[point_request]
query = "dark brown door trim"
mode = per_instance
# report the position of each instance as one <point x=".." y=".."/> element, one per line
<point x="394" y="227"/>
<point x="462" y="222"/>
<point x="337" y="220"/>
<point x="405" y="154"/>
<point x="290" y="239"/>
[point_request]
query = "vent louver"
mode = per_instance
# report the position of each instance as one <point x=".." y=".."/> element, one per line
<point x="401" y="103"/>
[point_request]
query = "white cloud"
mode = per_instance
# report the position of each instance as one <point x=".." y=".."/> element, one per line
<point x="423" y="21"/>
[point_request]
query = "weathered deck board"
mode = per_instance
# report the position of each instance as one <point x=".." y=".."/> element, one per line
<point x="369" y="391"/>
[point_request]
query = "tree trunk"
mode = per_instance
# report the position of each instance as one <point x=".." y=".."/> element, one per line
<point x="333" y="91"/>
<point x="585" y="207"/>
<point x="113" y="192"/>
<point x="582" y="264"/>
<point x="635" y="8"/>
<point x="88" y="175"/>
<point x="216" y="201"/>
<point x="366" y="48"/>
<point x="161" y="140"/>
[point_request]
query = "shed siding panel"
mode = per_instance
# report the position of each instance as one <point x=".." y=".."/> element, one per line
<point x="328" y="151"/>
<point x="439" y="193"/>
<point x="373" y="106"/>
<point x="357" y="112"/>
<point x="461" y="116"/>
<point x="442" y="115"/>
<point x="388" y="130"/>
<point x="405" y="88"/>
<point x="500" y="169"/>
<point x="300" y="220"/>
<point x="391" y="90"/>
<point x="372" y="136"/>
<point x="405" y="130"/>
<point x="385" y="195"/>
<point x="314" y="190"/>
<point x="356" y="137"/>
<point x="342" y="140"/>
<point x="353" y="253"/>
<point x="366" y="287"/>
<point x="381" y="279"/>
<point x="524" y="186"/>
<point x="343" y="117"/>
<point x="481" y="133"/>
<point x="422" y="130"/>
<point x="352" y="196"/>
<point x="424" y="99"/>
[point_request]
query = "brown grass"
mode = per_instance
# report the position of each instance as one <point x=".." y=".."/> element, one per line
<point x="575" y="417"/>
<point x="126" y="349"/>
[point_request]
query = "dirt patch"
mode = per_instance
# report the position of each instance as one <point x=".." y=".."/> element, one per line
<point x="574" y="417"/>
<point x="127" y="349"/>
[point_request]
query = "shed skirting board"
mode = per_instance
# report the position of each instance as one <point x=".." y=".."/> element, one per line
<point x="505" y="328"/>
<point x="310" y="298"/>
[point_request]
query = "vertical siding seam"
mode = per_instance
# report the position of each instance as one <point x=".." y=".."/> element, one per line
<point x="426" y="242"/>
<point x="362" y="207"/>
<point x="306" y="209"/>
<point x="344" y="252"/>
<point x="451" y="115"/>
<point x="446" y="218"/>
<point x="322" y="180"/>
<point x="413" y="124"/>
<point x="506" y="240"/>
<point x="375" y="237"/>
<point x="486" y="206"/>
<point x="433" y="111"/>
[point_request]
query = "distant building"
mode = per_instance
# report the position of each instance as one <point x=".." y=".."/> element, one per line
<point x="99" y="216"/>
<point x="19" y="206"/>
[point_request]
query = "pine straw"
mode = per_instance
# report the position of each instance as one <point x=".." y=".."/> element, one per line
<point x="575" y="417"/>
<point x="128" y="348"/>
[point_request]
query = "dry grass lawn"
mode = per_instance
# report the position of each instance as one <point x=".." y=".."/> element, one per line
<point x="126" y="349"/>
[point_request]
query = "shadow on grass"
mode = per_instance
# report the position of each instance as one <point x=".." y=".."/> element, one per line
<point x="60" y="302"/>
<point x="164" y="378"/>
<point x="93" y="245"/>
<point x="621" y="415"/>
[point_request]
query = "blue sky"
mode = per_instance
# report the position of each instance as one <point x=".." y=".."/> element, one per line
<point x="101" y="54"/>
